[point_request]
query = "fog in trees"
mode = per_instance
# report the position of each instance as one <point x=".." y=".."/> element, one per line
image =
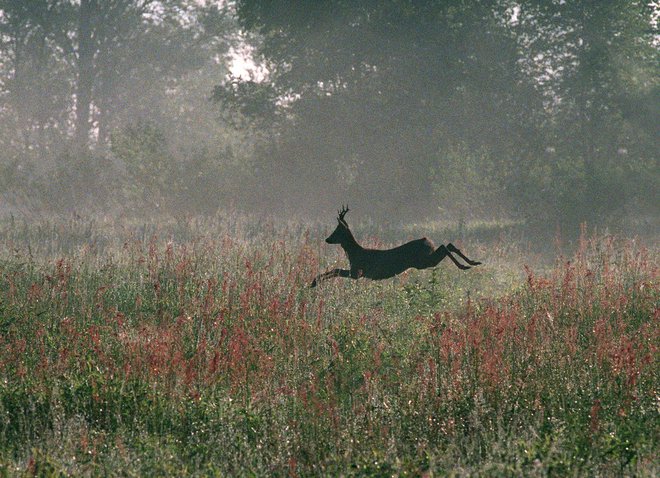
<point x="540" y="113"/>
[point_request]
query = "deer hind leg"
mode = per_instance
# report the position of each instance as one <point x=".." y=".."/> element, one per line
<point x="440" y="253"/>
<point x="330" y="274"/>
<point x="454" y="249"/>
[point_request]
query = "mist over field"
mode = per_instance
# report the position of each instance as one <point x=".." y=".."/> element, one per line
<point x="169" y="171"/>
<point x="542" y="113"/>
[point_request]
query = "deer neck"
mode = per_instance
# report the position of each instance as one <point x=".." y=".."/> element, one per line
<point x="350" y="245"/>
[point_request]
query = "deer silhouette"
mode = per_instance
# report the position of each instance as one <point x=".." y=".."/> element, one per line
<point x="379" y="264"/>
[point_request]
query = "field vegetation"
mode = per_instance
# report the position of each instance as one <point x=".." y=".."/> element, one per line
<point x="167" y="168"/>
<point x="198" y="348"/>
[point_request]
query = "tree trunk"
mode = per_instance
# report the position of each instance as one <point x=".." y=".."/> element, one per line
<point x="85" y="84"/>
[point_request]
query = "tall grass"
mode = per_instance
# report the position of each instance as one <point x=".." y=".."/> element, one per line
<point x="202" y="351"/>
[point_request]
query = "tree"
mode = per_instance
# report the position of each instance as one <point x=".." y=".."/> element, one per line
<point x="124" y="44"/>
<point x="106" y="52"/>
<point x="35" y="88"/>
<point x="381" y="94"/>
<point x="600" y="75"/>
<point x="74" y="72"/>
<point x="557" y="100"/>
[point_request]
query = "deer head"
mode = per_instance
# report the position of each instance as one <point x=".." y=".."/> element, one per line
<point x="341" y="233"/>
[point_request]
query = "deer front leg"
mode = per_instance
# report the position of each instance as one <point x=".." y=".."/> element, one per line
<point x="330" y="274"/>
<point x="455" y="250"/>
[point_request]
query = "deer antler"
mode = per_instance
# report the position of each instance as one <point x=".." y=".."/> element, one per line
<point x="342" y="213"/>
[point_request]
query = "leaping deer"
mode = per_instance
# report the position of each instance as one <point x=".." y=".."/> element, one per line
<point x="382" y="264"/>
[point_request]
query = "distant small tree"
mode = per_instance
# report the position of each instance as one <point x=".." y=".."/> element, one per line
<point x="153" y="175"/>
<point x="161" y="177"/>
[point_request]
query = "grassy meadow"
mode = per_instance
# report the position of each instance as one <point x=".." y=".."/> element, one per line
<point x="198" y="349"/>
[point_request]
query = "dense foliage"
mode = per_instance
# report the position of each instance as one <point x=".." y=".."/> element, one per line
<point x="148" y="356"/>
<point x="548" y="110"/>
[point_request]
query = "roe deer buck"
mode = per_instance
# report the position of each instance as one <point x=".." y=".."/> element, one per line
<point x="381" y="264"/>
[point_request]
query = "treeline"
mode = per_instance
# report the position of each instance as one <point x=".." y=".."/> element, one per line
<point x="105" y="105"/>
<point x="545" y="111"/>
